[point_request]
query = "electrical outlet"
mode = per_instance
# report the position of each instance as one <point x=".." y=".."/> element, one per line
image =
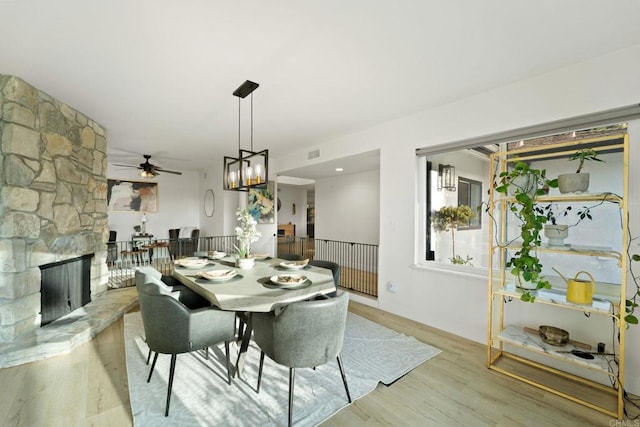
<point x="392" y="287"/>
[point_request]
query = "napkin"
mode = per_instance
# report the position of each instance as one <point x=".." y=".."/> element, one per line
<point x="216" y="254"/>
<point x="291" y="279"/>
<point x="296" y="263"/>
<point x="217" y="274"/>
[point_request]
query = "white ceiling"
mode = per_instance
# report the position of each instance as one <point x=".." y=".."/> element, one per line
<point x="159" y="75"/>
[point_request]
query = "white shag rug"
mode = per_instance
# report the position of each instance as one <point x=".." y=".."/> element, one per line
<point x="202" y="397"/>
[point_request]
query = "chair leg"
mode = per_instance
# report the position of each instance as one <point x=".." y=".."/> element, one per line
<point x="149" y="356"/>
<point x="226" y="352"/>
<point x="206" y="353"/>
<point x="240" y="328"/>
<point x="260" y="371"/>
<point x="153" y="365"/>
<point x="344" y="378"/>
<point x="171" y="371"/>
<point x="292" y="375"/>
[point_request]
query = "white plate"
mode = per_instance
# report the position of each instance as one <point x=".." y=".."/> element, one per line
<point x="292" y="265"/>
<point x="192" y="262"/>
<point x="216" y="255"/>
<point x="260" y="257"/>
<point x="280" y="280"/>
<point x="217" y="275"/>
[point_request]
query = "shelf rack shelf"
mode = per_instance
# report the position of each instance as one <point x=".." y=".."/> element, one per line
<point x="506" y="341"/>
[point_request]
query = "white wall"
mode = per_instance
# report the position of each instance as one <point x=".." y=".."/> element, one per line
<point x="289" y="196"/>
<point x="179" y="204"/>
<point x="347" y="208"/>
<point x="453" y="301"/>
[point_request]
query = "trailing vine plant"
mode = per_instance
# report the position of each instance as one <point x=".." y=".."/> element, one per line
<point x="632" y="301"/>
<point x="526" y="183"/>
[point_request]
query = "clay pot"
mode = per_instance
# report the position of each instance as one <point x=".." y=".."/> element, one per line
<point x="573" y="182"/>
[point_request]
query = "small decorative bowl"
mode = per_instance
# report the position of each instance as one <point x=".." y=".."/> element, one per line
<point x="553" y="336"/>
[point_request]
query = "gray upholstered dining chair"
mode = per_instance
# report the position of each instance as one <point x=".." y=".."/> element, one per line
<point x="303" y="334"/>
<point x="335" y="269"/>
<point x="172" y="328"/>
<point x="291" y="257"/>
<point x="186" y="296"/>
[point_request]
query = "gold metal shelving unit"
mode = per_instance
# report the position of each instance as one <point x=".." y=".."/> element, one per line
<point x="503" y="338"/>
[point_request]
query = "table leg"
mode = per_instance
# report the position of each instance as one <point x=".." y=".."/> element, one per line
<point x="244" y="346"/>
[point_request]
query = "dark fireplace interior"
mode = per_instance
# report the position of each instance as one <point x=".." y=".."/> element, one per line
<point x="65" y="287"/>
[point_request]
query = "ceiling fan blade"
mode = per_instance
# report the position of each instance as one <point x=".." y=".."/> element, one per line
<point x="161" y="169"/>
<point x="127" y="166"/>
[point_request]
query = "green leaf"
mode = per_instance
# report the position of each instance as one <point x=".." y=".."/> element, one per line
<point x="527" y="297"/>
<point x="631" y="319"/>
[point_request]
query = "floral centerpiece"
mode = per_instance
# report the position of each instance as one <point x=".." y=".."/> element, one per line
<point x="246" y="234"/>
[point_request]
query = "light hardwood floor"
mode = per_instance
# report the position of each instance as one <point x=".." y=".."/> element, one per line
<point x="89" y="388"/>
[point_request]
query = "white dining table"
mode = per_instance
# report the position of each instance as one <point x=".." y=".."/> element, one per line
<point x="251" y="290"/>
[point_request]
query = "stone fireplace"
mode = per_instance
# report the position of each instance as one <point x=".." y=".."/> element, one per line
<point x="53" y="205"/>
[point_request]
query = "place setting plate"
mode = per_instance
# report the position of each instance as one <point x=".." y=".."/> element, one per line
<point x="208" y="279"/>
<point x="289" y="280"/>
<point x="294" y="265"/>
<point x="217" y="275"/>
<point x="191" y="262"/>
<point x="215" y="255"/>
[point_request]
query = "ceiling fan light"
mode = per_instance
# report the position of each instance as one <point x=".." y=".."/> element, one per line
<point x="147" y="174"/>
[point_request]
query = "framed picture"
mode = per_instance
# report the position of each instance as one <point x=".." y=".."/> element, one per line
<point x="132" y="196"/>
<point x="260" y="204"/>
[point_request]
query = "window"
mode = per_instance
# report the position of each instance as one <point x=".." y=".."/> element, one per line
<point x="467" y="244"/>
<point x="470" y="194"/>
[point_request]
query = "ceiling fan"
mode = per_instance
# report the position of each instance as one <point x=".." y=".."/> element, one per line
<point x="148" y="170"/>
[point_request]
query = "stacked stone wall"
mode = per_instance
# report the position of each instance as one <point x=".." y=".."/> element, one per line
<point x="53" y="191"/>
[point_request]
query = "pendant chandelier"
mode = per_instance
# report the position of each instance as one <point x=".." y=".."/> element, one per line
<point x="249" y="169"/>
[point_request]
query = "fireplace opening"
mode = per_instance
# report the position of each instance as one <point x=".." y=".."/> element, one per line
<point x="65" y="286"/>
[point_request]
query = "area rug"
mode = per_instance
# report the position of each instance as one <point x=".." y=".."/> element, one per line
<point x="202" y="397"/>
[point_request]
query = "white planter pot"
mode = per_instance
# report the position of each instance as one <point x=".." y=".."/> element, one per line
<point x="524" y="184"/>
<point x="556" y="234"/>
<point x="529" y="286"/>
<point x="573" y="183"/>
<point x="245" y="263"/>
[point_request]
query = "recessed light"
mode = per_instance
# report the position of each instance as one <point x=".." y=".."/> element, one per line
<point x="339" y="169"/>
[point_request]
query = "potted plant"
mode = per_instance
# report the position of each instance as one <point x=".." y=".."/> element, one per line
<point x="525" y="184"/>
<point x="449" y="218"/>
<point x="246" y="234"/>
<point x="554" y="232"/>
<point x="577" y="182"/>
